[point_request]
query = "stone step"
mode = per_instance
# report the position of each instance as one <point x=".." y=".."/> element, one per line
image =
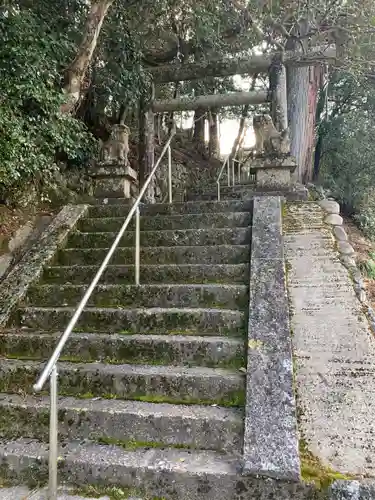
<point x="24" y="493"/>
<point x="245" y="183"/>
<point x="194" y="207"/>
<point x="169" y="474"/>
<point x="131" y="423"/>
<point x="226" y="296"/>
<point x="169" y="222"/>
<point x="166" y="274"/>
<point x="128" y="321"/>
<point x="244" y="193"/>
<point x="168" y="384"/>
<point x="114" y="348"/>
<point x="174" y="238"/>
<point x="225" y="195"/>
<point x="219" y="254"/>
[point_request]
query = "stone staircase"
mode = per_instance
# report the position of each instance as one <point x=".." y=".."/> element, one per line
<point x="152" y="381"/>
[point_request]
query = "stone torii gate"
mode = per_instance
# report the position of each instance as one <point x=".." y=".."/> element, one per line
<point x="274" y="64"/>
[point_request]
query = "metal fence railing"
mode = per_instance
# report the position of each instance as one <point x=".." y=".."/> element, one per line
<point x="50" y="370"/>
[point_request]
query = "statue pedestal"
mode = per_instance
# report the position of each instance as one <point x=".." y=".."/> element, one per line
<point x="114" y="181"/>
<point x="274" y="172"/>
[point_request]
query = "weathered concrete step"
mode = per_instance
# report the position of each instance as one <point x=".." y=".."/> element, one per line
<point x="218" y="254"/>
<point x="194" y="207"/>
<point x="247" y="183"/>
<point x="172" y="384"/>
<point x="174" y="238"/>
<point x="169" y="474"/>
<point x="109" y="347"/>
<point x="153" y="320"/>
<point x="244" y="192"/>
<point x="169" y="222"/>
<point x="161" y="273"/>
<point x="133" y="423"/>
<point x="225" y="195"/>
<point x="24" y="493"/>
<point x="226" y="296"/>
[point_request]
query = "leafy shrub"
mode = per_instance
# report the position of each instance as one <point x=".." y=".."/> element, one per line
<point x="33" y="133"/>
<point x="348" y="166"/>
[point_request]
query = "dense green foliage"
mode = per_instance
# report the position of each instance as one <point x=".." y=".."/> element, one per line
<point x="347" y="132"/>
<point x="33" y="134"/>
<point x="39" y="40"/>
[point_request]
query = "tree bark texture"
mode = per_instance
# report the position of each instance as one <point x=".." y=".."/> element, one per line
<point x="303" y="84"/>
<point x="199" y="127"/>
<point x="211" y="101"/>
<point x="76" y="72"/>
<point x="228" y="67"/>
<point x="241" y="130"/>
<point x="214" y="143"/>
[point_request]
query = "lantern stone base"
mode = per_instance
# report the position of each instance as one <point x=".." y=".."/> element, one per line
<point x="114" y="181"/>
<point x="274" y="172"/>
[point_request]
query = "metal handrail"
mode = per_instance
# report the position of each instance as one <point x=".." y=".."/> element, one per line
<point x="226" y="163"/>
<point x="50" y="369"/>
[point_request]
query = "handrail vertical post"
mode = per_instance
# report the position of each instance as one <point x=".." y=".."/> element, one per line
<point x="53" y="435"/>
<point x="228" y="171"/>
<point x="137" y="245"/>
<point x="170" y="173"/>
<point x="218" y="190"/>
<point x="233" y="176"/>
<point x="239" y="171"/>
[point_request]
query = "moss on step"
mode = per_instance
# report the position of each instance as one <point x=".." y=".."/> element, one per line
<point x="113" y="492"/>
<point x="201" y="321"/>
<point x="135" y="445"/>
<point x="124" y="296"/>
<point x="158" y="354"/>
<point x="312" y="468"/>
<point x="237" y="400"/>
<point x="314" y="471"/>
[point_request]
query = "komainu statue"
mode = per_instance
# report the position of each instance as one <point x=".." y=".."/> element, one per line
<point x="116" y="148"/>
<point x="269" y="141"/>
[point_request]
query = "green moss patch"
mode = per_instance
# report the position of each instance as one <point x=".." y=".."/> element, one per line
<point x="113" y="492"/>
<point x="314" y="471"/>
<point x="237" y="400"/>
<point x="133" y="445"/>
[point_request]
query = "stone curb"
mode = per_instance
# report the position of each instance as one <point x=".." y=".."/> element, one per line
<point x="270" y="438"/>
<point x="21" y="241"/>
<point x="15" y="285"/>
<point x="346" y="252"/>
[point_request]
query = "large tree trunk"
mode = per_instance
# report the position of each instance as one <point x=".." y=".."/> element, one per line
<point x="214" y="143"/>
<point x="303" y="84"/>
<point x="199" y="125"/>
<point x="241" y="130"/>
<point x="76" y="72"/>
